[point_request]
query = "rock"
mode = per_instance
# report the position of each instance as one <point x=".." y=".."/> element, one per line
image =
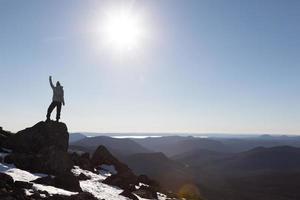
<point x="47" y="180"/>
<point x="83" y="161"/>
<point x="5" y="179"/>
<point x="146" y="180"/>
<point x="22" y="184"/>
<point x="82" y="177"/>
<point x="146" y="192"/>
<point x="103" y="156"/>
<point x="10" y="190"/>
<point x="49" y="160"/>
<point x="80" y="196"/>
<point x="40" y="136"/>
<point x="41" y="148"/>
<point x="65" y="181"/>
<point x="123" y="180"/>
<point x="127" y="193"/>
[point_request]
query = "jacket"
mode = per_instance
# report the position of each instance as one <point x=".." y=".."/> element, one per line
<point x="58" y="93"/>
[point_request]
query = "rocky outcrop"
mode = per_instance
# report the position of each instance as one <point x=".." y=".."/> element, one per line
<point x="124" y="178"/>
<point x="40" y="136"/>
<point x="41" y="148"/>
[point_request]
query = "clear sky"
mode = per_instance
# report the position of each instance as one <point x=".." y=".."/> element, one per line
<point x="228" y="66"/>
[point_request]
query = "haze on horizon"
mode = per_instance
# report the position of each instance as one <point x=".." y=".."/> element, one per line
<point x="197" y="66"/>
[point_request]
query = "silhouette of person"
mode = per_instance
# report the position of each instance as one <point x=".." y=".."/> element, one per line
<point x="57" y="99"/>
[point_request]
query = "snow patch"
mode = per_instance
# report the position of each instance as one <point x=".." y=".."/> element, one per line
<point x="22" y="175"/>
<point x="18" y="174"/>
<point x="95" y="186"/>
<point x="52" y="190"/>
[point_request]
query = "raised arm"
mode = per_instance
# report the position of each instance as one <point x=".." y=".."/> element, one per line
<point x="50" y="80"/>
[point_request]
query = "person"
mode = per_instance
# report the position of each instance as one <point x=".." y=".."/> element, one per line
<point x="57" y="99"/>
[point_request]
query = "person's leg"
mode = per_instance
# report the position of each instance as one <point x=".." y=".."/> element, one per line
<point x="58" y="109"/>
<point x="50" y="109"/>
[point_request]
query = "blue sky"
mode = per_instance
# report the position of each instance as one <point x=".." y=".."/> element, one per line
<point x="203" y="66"/>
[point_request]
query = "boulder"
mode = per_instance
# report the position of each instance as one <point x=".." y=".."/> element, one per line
<point x="5" y="180"/>
<point x="40" y="136"/>
<point x="24" y="185"/>
<point x="49" y="160"/>
<point x="41" y="148"/>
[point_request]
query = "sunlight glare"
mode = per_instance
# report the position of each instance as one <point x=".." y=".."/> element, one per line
<point x="122" y="30"/>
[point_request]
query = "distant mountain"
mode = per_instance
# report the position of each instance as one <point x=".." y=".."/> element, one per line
<point x="174" y="145"/>
<point x="280" y="158"/>
<point x="155" y="143"/>
<point x="119" y="147"/>
<point x="74" y="137"/>
<point x="238" y="145"/>
<point x="260" y="173"/>
<point x="199" y="157"/>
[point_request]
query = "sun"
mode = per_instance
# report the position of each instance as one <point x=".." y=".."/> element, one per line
<point x="123" y="30"/>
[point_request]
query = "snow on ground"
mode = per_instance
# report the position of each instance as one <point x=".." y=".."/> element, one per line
<point x="141" y="184"/>
<point x="18" y="174"/>
<point x="96" y="187"/>
<point x="22" y="175"/>
<point x="161" y="196"/>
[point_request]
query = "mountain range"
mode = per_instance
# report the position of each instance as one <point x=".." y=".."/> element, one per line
<point x="220" y="168"/>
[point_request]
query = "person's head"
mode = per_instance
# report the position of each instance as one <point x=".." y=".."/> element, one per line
<point x="58" y="84"/>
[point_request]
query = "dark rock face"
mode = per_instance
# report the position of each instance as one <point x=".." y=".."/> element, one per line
<point x="22" y="184"/>
<point x="40" y="136"/>
<point x="41" y="148"/>
<point x="50" y="161"/>
<point x="5" y="179"/>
